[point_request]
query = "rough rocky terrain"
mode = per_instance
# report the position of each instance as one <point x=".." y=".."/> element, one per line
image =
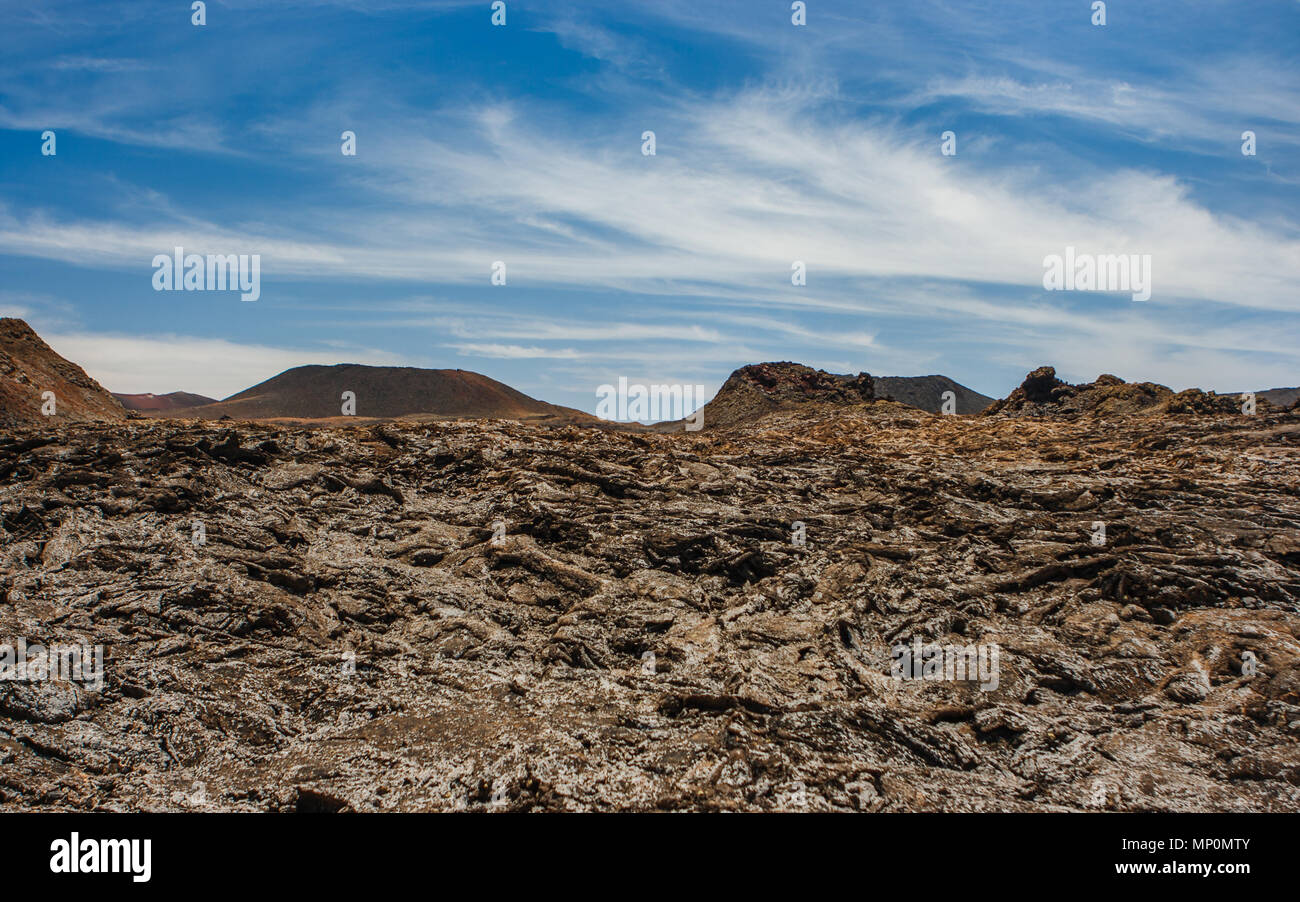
<point x="355" y="633"/>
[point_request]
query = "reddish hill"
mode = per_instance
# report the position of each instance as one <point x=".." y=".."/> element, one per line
<point x="315" y="392"/>
<point x="29" y="368"/>
<point x="149" y="402"/>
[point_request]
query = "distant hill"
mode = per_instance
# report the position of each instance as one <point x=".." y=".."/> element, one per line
<point x="1279" y="397"/>
<point x="926" y="392"/>
<point x="148" y="402"/>
<point x="315" y="392"/>
<point x="29" y="367"/>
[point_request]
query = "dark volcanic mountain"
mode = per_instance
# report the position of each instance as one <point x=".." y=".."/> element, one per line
<point x="316" y="392"/>
<point x="1279" y="397"/>
<point x="29" y="368"/>
<point x="148" y="402"/>
<point x="926" y="393"/>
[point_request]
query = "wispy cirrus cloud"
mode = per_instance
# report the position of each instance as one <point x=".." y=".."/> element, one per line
<point x="754" y="188"/>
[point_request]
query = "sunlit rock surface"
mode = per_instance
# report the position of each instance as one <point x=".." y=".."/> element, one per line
<point x="642" y="630"/>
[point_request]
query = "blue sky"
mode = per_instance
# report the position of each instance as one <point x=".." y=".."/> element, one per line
<point x="775" y="143"/>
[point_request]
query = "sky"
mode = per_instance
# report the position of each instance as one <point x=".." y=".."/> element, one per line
<point x="774" y="143"/>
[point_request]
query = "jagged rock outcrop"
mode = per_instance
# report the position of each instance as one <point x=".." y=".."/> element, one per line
<point x="762" y="389"/>
<point x="1044" y="395"/>
<point x="754" y="391"/>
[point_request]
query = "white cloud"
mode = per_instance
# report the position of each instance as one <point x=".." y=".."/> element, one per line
<point x="205" y="366"/>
